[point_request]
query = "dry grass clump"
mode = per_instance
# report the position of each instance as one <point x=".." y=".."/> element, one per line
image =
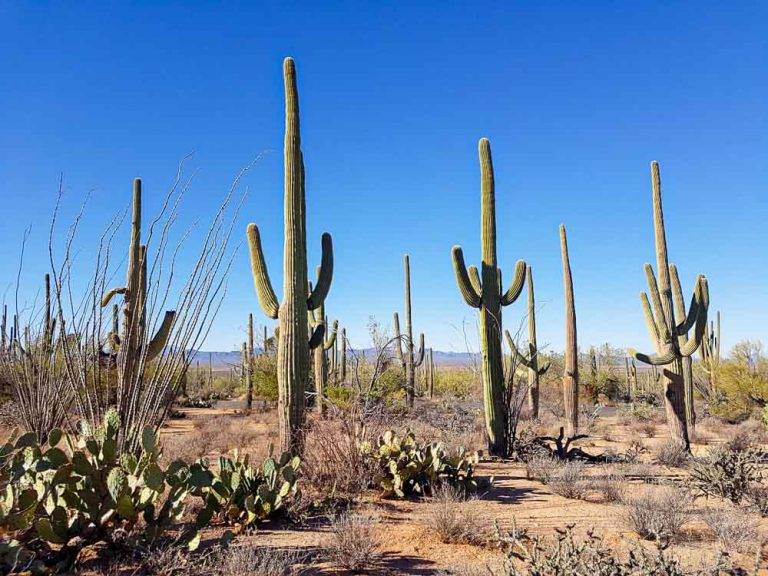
<point x="645" y="428"/>
<point x="610" y="485"/>
<point x="354" y="544"/>
<point x="248" y="433"/>
<point x="658" y="514"/>
<point x="333" y="466"/>
<point x="733" y="528"/>
<point x="542" y="467"/>
<point x="452" y="521"/>
<point x="672" y="454"/>
<point x="570" y="481"/>
<point x="249" y="561"/>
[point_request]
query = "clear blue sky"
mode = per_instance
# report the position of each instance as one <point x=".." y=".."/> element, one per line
<point x="576" y="97"/>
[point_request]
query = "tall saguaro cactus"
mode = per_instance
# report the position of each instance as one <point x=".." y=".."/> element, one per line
<point x="131" y="350"/>
<point x="531" y="361"/>
<point x="407" y="355"/>
<point x="571" y="363"/>
<point x="294" y="341"/>
<point x="668" y="331"/>
<point x="710" y="351"/>
<point x="482" y="290"/>
<point x="248" y="359"/>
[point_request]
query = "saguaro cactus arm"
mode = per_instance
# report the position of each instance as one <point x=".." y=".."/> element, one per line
<point x="398" y="338"/>
<point x="522" y="359"/>
<point x="316" y="339"/>
<point x="324" y="274"/>
<point x="518" y="281"/>
<point x="468" y="288"/>
<point x="160" y="338"/>
<point x="420" y="354"/>
<point x="261" y="281"/>
<point x="111" y="294"/>
<point x="702" y="299"/>
<point x="331" y="340"/>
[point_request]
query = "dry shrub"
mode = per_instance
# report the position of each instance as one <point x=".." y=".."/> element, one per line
<point x="757" y="497"/>
<point x="645" y="428"/>
<point x="733" y="528"/>
<point x="220" y="434"/>
<point x="570" y="482"/>
<point x="182" y="447"/>
<point x="658" y="514"/>
<point x="542" y="467"/>
<point x="697" y="436"/>
<point x="672" y="454"/>
<point x="333" y="465"/>
<point x="354" y="543"/>
<point x="248" y="561"/>
<point x="453" y="522"/>
<point x="609" y="484"/>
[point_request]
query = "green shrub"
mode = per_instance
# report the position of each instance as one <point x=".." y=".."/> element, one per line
<point x="339" y="396"/>
<point x="404" y="468"/>
<point x="265" y="377"/>
<point x="455" y="381"/>
<point x="727" y="473"/>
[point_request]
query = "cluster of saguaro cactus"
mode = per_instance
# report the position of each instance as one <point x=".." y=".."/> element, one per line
<point x="531" y="362"/>
<point x="571" y="361"/>
<point x="294" y="341"/>
<point x="404" y="345"/>
<point x="320" y="362"/>
<point x="669" y="326"/>
<point x="130" y="349"/>
<point x="483" y="290"/>
<point x="630" y="374"/>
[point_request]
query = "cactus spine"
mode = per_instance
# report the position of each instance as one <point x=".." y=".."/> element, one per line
<point x="482" y="290"/>
<point x="668" y="332"/>
<point x="406" y="354"/>
<point x="132" y="345"/>
<point x="571" y="363"/>
<point x="531" y="361"/>
<point x="294" y="341"/>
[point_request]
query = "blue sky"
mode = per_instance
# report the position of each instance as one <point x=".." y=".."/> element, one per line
<point x="577" y="99"/>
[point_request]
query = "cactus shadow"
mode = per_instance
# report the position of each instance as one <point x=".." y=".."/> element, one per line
<point x="502" y="491"/>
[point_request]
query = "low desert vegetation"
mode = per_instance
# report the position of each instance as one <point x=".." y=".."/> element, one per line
<point x="127" y="450"/>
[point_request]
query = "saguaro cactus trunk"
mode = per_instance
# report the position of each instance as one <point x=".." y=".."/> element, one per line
<point x="571" y="364"/>
<point x="670" y="334"/>
<point x="248" y="365"/>
<point x="482" y="290"/>
<point x="294" y="341"/>
<point x="320" y="357"/>
<point x="406" y="350"/>
<point x="531" y="361"/>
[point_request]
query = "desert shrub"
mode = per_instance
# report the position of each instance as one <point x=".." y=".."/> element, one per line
<point x="568" y="555"/>
<point x="610" y="486"/>
<point x="402" y="467"/>
<point x="333" y="466"/>
<point x="742" y="384"/>
<point x="88" y="490"/>
<point x="265" y="377"/>
<point x="451" y="521"/>
<point x="658" y="514"/>
<point x="339" y="396"/>
<point x="733" y="528"/>
<point x="726" y="473"/>
<point x="220" y="434"/>
<point x="354" y="543"/>
<point x="252" y="561"/>
<point x="542" y="467"/>
<point x="454" y="381"/>
<point x="646" y="427"/>
<point x="757" y="498"/>
<point x="672" y="454"/>
<point x="569" y="481"/>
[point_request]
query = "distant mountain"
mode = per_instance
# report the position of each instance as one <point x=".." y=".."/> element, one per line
<point x="234" y="358"/>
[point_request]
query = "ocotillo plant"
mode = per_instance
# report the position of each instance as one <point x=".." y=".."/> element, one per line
<point x="531" y="361"/>
<point x="571" y="361"/>
<point x="294" y="341"/>
<point x="406" y="354"/>
<point x="134" y="349"/>
<point x="482" y="290"/>
<point x="319" y="356"/>
<point x="666" y="330"/>
<point x="248" y="365"/>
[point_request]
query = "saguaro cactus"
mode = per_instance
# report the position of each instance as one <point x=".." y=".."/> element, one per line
<point x="531" y="361"/>
<point x="571" y="363"/>
<point x="319" y="356"/>
<point x="482" y="290"/>
<point x="132" y="345"/>
<point x="630" y="371"/>
<point x="409" y="359"/>
<point x="294" y="341"/>
<point x="431" y="373"/>
<point x="668" y="332"/>
<point x="343" y="367"/>
<point x="248" y="360"/>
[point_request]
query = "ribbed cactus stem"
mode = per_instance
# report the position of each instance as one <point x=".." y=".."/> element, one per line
<point x="483" y="290"/>
<point x="406" y="351"/>
<point x="294" y="341"/>
<point x="571" y="361"/>
<point x="343" y="373"/>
